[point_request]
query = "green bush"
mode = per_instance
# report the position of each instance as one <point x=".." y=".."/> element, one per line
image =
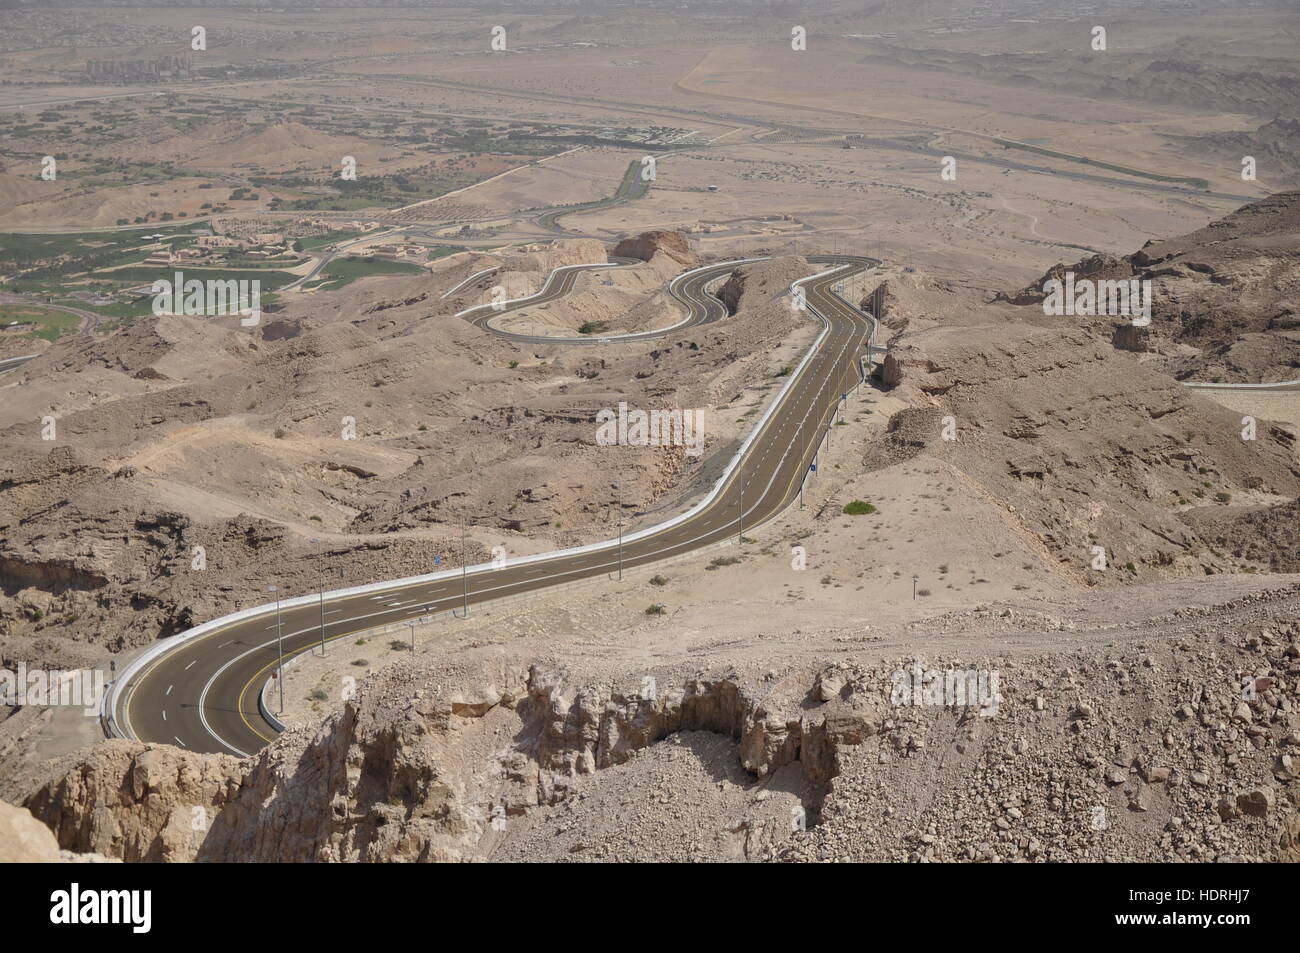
<point x="858" y="507"/>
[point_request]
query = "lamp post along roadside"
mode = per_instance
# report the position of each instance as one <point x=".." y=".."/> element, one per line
<point x="464" y="569"/>
<point x="320" y="566"/>
<point x="279" y="644"/>
<point x="740" y="480"/>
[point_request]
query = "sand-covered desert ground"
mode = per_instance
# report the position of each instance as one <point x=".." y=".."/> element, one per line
<point x="361" y="424"/>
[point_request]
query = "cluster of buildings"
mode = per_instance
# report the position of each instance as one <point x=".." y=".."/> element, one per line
<point x="255" y="245"/>
<point x="397" y="252"/>
<point x="162" y="69"/>
<point x="250" y="228"/>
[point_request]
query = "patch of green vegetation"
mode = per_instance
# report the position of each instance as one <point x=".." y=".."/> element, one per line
<point x="347" y="270"/>
<point x="323" y="241"/>
<point x="49" y="325"/>
<point x="592" y="327"/>
<point x="858" y="508"/>
<point x="720" y="561"/>
<point x="132" y="276"/>
<point x="45" y="256"/>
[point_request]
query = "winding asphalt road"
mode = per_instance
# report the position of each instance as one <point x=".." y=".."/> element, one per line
<point x="89" y="319"/>
<point x="200" y="690"/>
<point x="690" y="289"/>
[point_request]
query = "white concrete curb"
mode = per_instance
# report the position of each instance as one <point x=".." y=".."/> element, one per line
<point x="1275" y="385"/>
<point x="165" y="646"/>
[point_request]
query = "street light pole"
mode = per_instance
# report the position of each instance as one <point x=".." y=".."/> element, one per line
<point x="740" y="479"/>
<point x="320" y="566"/>
<point x="803" y="465"/>
<point x="279" y="642"/>
<point x="464" y="568"/>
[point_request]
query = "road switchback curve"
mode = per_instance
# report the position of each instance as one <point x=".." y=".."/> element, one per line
<point x="200" y="689"/>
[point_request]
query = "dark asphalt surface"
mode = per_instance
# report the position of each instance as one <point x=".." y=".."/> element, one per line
<point x="702" y="308"/>
<point x="203" y="695"/>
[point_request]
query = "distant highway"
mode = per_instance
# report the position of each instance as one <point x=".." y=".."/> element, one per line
<point x="9" y="363"/>
<point x="200" y="689"/>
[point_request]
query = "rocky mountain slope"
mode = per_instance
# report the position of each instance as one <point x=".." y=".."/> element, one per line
<point x="193" y="464"/>
<point x="1184" y="745"/>
<point x="1226" y="298"/>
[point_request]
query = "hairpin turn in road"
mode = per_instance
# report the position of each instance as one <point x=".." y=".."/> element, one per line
<point x="200" y="689"/>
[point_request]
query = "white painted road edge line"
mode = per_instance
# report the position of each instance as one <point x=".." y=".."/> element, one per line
<point x="165" y="646"/>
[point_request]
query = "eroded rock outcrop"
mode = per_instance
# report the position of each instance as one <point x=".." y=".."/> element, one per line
<point x="1130" y="461"/>
<point x="436" y="763"/>
<point x="673" y="245"/>
<point x="137" y="802"/>
<point x="1225" y="299"/>
<point x="419" y="767"/>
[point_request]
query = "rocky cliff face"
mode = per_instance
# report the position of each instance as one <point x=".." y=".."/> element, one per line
<point x="424" y="776"/>
<point x="502" y="757"/>
<point x="418" y="768"/>
<point x="1226" y="298"/>
<point x="25" y="840"/>
<point x="574" y="251"/>
<point x="673" y="245"/>
<point x="1144" y="752"/>
<point x="86" y="563"/>
<point x="136" y="802"/>
<point x="1086" y="447"/>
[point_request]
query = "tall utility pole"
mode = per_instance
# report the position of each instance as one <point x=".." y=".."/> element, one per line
<point x="464" y="568"/>
<point x="320" y="566"/>
<point x="740" y="482"/>
<point x="279" y="642"/>
<point x="803" y="464"/>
